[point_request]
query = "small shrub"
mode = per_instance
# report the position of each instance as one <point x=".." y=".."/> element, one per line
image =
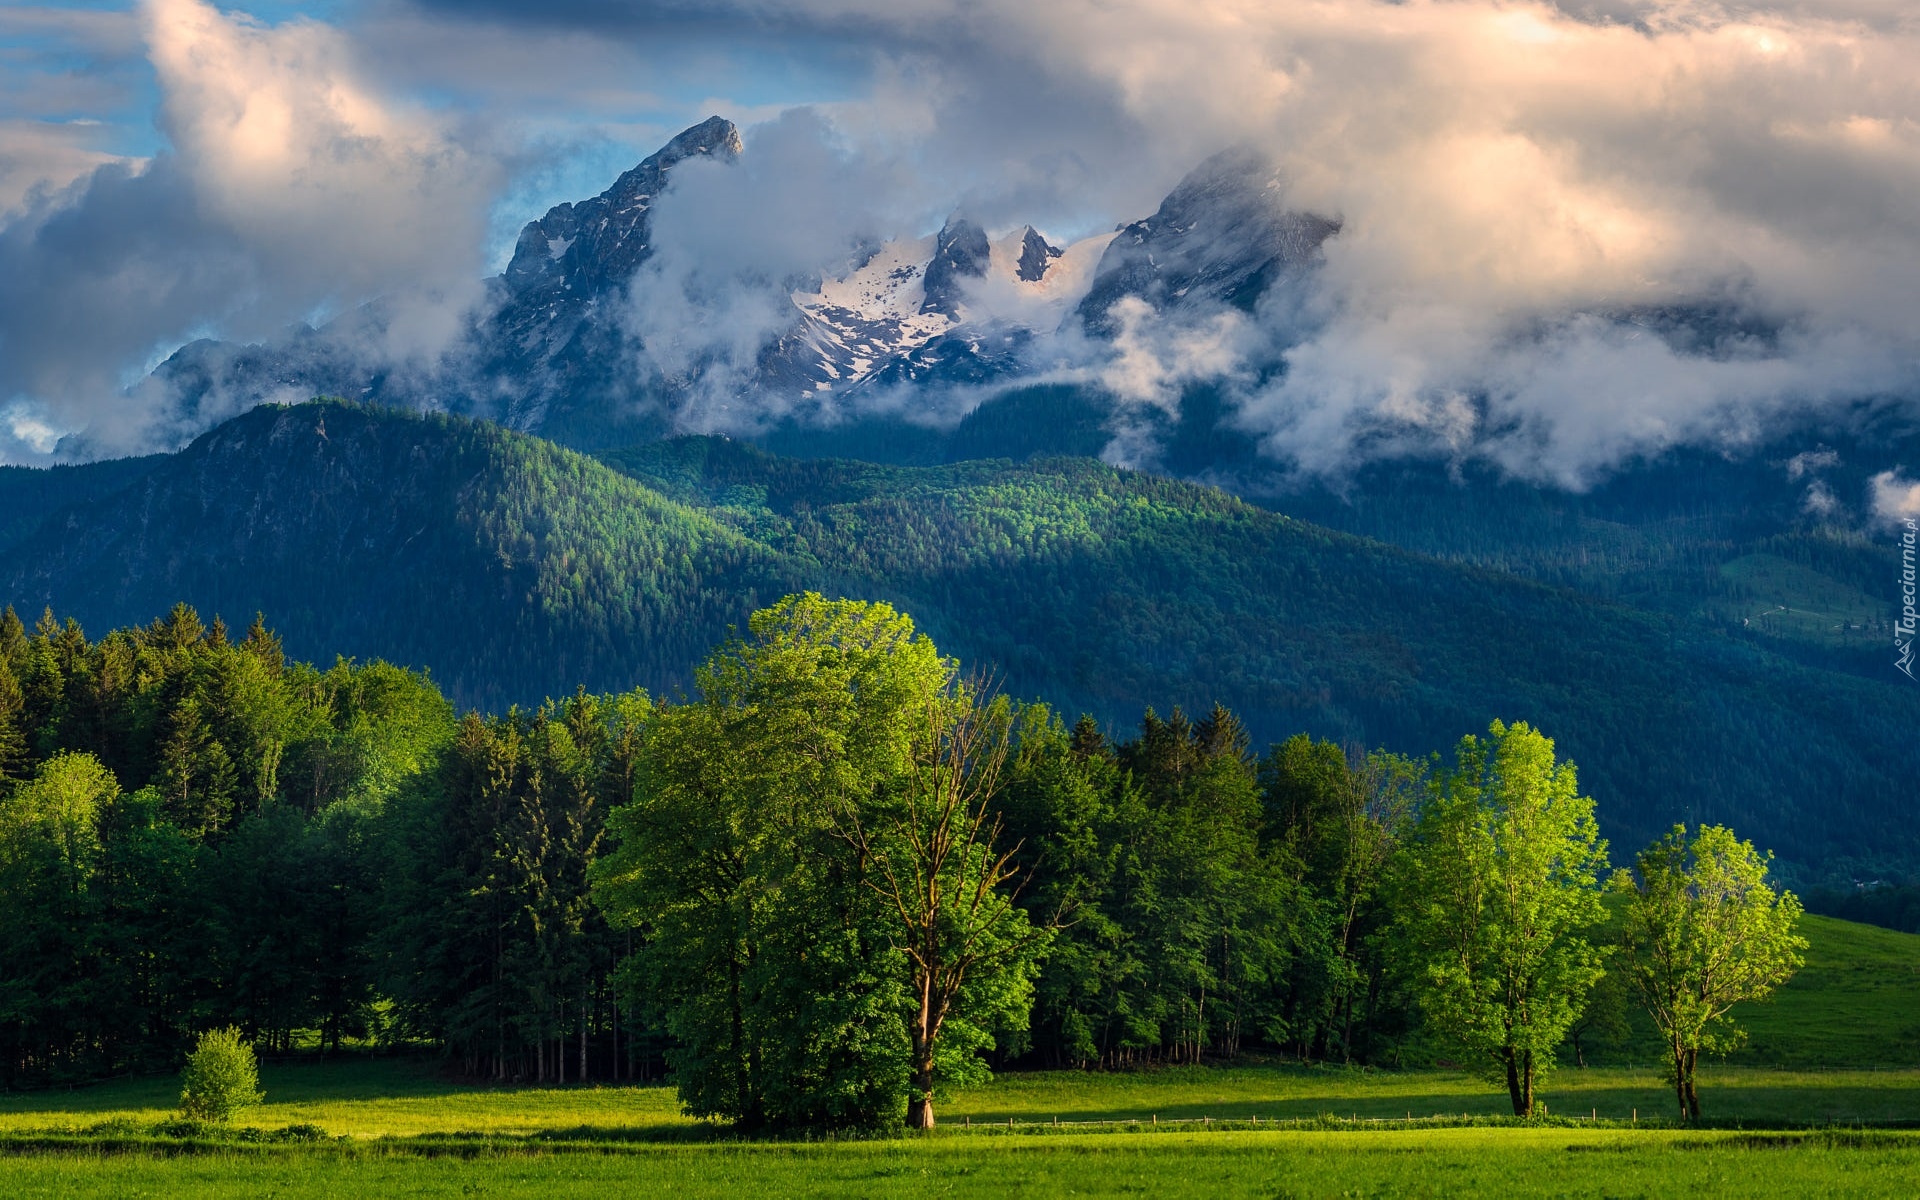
<point x="221" y="1079"/>
<point x="185" y="1127"/>
<point x="299" y="1133"/>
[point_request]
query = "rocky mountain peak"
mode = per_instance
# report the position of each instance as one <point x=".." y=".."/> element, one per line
<point x="1035" y="256"/>
<point x="961" y="251"/>
<point x="587" y="247"/>
<point x="1224" y="235"/>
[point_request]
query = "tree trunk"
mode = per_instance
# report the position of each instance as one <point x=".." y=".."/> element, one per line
<point x="1680" y="1079"/>
<point x="1520" y="1106"/>
<point x="1692" y="1093"/>
<point x="920" y="1095"/>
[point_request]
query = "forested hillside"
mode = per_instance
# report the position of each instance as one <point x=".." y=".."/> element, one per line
<point x="1100" y="588"/>
<point x="512" y="570"/>
<point x="507" y="566"/>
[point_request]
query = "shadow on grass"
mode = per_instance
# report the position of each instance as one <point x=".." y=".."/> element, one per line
<point x="1840" y="1099"/>
<point x="314" y="1081"/>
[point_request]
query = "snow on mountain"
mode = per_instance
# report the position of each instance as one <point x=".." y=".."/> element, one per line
<point x="553" y="351"/>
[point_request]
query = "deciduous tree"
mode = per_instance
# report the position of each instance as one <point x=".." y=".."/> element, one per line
<point x="1499" y="894"/>
<point x="1705" y="931"/>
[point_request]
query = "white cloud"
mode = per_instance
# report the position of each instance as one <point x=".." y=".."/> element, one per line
<point x="1893" y="498"/>
<point x="1511" y="176"/>
<point x="290" y="186"/>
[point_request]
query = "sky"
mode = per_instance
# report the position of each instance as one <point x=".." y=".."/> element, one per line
<point x="1510" y="177"/>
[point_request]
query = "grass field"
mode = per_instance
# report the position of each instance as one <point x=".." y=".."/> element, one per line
<point x="404" y="1129"/>
<point x="409" y="1132"/>
<point x="399" y="1098"/>
<point x="1435" y="1163"/>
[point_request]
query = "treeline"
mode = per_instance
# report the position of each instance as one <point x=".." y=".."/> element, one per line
<point x="838" y="876"/>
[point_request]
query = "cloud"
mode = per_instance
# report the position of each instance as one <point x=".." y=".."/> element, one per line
<point x="41" y="157"/>
<point x="289" y="187"/>
<point x="733" y="240"/>
<point x="1893" y="498"/>
<point x="1573" y="233"/>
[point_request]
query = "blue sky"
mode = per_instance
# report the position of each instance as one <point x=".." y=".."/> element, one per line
<point x="79" y="71"/>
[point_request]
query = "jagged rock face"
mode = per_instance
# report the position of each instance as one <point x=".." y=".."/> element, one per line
<point x="1222" y="236"/>
<point x="597" y="245"/>
<point x="1035" y="257"/>
<point x="960" y="252"/>
<point x="550" y="350"/>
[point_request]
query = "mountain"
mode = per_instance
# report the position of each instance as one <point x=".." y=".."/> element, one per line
<point x="1223" y="235"/>
<point x="513" y="568"/>
<point x="509" y="566"/>
<point x="550" y="348"/>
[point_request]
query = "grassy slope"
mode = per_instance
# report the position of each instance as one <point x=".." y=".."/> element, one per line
<point x="1855" y="1002"/>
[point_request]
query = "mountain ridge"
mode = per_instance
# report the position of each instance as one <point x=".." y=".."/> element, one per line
<point x="513" y="568"/>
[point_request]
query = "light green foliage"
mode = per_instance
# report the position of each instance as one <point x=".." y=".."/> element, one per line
<point x="1705" y="931"/>
<point x="221" y="1078"/>
<point x="767" y="815"/>
<point x="929" y="842"/>
<point x="1499" y="893"/>
<point x="58" y="812"/>
<point x="51" y="860"/>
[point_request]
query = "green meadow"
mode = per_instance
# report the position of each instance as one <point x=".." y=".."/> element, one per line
<point x="1432" y="1163"/>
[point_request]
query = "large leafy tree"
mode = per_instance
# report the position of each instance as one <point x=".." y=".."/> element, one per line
<point x="759" y="952"/>
<point x="750" y="863"/>
<point x="934" y="851"/>
<point x="1499" y="898"/>
<point x="1705" y="931"/>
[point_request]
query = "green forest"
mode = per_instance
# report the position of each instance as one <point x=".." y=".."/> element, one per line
<point x="839" y="874"/>
<point x="511" y="570"/>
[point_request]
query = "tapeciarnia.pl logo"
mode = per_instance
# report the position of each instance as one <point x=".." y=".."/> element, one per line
<point x="1903" y="629"/>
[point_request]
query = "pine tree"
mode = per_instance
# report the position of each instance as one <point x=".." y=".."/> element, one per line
<point x="14" y="761"/>
<point x="196" y="777"/>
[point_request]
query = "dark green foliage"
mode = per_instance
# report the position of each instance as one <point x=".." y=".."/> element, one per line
<point x="199" y="834"/>
<point x="208" y="868"/>
<point x="1182" y="933"/>
<point x="516" y="570"/>
<point x="1099" y="589"/>
<point x="513" y="568"/>
<point x="490" y="943"/>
